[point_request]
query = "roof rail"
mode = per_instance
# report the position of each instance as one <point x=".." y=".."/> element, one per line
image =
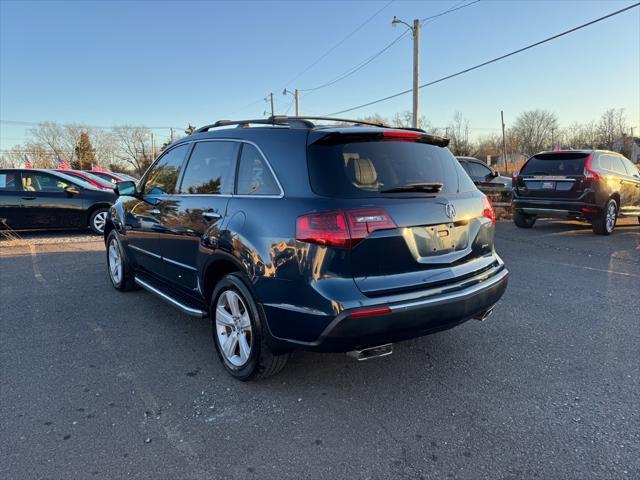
<point x="295" y="122"/>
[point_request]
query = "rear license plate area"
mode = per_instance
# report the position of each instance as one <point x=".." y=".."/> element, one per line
<point x="548" y="186"/>
<point x="441" y="239"/>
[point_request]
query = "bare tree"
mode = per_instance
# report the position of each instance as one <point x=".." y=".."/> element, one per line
<point x="459" y="135"/>
<point x="134" y="147"/>
<point x="611" y="127"/>
<point x="533" y="130"/>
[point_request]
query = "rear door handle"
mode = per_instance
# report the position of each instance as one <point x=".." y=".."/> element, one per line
<point x="210" y="215"/>
<point x="28" y="198"/>
<point x="155" y="211"/>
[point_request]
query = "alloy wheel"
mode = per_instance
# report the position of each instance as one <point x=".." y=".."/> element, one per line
<point x="115" y="262"/>
<point x="233" y="328"/>
<point x="99" y="221"/>
<point x="611" y="216"/>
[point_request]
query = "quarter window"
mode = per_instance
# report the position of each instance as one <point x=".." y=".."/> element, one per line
<point x="163" y="177"/>
<point x="210" y="169"/>
<point x="617" y="166"/>
<point x="8" y="181"/>
<point x="254" y="176"/>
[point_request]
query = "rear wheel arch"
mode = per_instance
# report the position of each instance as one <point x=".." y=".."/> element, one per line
<point x="616" y="197"/>
<point x="215" y="271"/>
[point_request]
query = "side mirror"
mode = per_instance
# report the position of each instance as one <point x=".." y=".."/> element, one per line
<point x="126" y="188"/>
<point x="496" y="173"/>
<point x="71" y="190"/>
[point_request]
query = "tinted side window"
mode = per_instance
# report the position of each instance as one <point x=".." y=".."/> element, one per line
<point x="254" y="176"/>
<point x="162" y="178"/>
<point x="9" y="181"/>
<point x="478" y="172"/>
<point x="210" y="169"/>
<point x="631" y="168"/>
<point x="605" y="162"/>
<point x="617" y="166"/>
<point x="42" y="182"/>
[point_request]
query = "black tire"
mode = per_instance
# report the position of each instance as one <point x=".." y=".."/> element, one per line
<point x="523" y="221"/>
<point x="601" y="224"/>
<point x="262" y="362"/>
<point x="97" y="220"/>
<point x="126" y="281"/>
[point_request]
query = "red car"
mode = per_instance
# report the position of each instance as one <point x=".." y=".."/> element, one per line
<point x="88" y="177"/>
<point x="112" y="178"/>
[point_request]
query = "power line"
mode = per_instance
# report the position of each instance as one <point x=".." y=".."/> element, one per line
<point x="367" y="61"/>
<point x="35" y="124"/>
<point x="475" y="67"/>
<point x="332" y="49"/>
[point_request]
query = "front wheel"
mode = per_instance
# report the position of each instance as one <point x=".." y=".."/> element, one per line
<point x="120" y="272"/>
<point x="238" y="332"/>
<point x="604" y="223"/>
<point x="523" y="221"/>
<point x="98" y="220"/>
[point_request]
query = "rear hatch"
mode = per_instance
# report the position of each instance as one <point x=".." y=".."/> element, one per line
<point x="554" y="175"/>
<point x="414" y="216"/>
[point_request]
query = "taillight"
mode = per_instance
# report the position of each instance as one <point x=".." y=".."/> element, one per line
<point x="487" y="210"/>
<point x="514" y="178"/>
<point x="342" y="228"/>
<point x="589" y="172"/>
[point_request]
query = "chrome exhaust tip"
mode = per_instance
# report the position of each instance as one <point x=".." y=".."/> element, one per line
<point x="372" y="352"/>
<point x="484" y="315"/>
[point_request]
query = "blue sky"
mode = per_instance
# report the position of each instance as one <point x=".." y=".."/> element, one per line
<point x="167" y="63"/>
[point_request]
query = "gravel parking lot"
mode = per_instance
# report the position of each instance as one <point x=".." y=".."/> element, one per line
<point x="100" y="384"/>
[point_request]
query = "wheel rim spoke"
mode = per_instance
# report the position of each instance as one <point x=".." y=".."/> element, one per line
<point x="230" y="345"/>
<point x="245" y="349"/>
<point x="232" y="298"/>
<point x="223" y="317"/>
<point x="245" y="322"/>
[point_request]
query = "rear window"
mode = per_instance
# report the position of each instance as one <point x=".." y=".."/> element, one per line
<point x="363" y="169"/>
<point x="555" y="164"/>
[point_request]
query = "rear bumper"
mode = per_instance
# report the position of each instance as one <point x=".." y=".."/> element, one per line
<point x="438" y="310"/>
<point x="557" y="208"/>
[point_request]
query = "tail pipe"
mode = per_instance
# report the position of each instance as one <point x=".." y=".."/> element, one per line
<point x="372" y="352"/>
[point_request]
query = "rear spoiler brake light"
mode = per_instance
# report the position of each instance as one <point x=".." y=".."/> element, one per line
<point x="398" y="135"/>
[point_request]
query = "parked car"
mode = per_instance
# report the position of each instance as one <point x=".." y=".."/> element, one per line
<point x="88" y="177"/>
<point x="482" y="174"/>
<point x="296" y="236"/>
<point x="45" y="199"/>
<point x="111" y="177"/>
<point x="593" y="185"/>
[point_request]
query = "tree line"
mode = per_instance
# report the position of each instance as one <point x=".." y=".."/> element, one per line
<point x="132" y="149"/>
<point x="531" y="132"/>
<point x="125" y="148"/>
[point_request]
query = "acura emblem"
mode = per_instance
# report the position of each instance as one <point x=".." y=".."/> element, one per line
<point x="450" y="210"/>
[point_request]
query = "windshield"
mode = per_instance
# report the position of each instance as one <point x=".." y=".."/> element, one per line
<point x="371" y="168"/>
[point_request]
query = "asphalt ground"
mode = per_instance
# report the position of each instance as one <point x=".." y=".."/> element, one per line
<point x="100" y="384"/>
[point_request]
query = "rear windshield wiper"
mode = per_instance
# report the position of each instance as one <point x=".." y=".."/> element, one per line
<point x="415" y="187"/>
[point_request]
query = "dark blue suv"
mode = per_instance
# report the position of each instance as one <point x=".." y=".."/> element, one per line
<point x="291" y="235"/>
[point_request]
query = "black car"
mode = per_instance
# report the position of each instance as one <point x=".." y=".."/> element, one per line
<point x="593" y="185"/>
<point x="45" y="199"/>
<point x="482" y="174"/>
<point x="290" y="235"/>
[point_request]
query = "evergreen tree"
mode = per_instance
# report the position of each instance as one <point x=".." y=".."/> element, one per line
<point x="85" y="154"/>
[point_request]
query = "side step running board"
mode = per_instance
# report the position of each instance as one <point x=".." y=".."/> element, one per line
<point x="194" y="312"/>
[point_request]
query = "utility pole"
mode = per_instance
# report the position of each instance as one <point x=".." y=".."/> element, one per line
<point x="553" y="138"/>
<point x="270" y="97"/>
<point x="504" y="141"/>
<point x="416" y="71"/>
<point x="296" y="98"/>
<point x="171" y="135"/>
<point x="415" y="31"/>
<point x="153" y="155"/>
